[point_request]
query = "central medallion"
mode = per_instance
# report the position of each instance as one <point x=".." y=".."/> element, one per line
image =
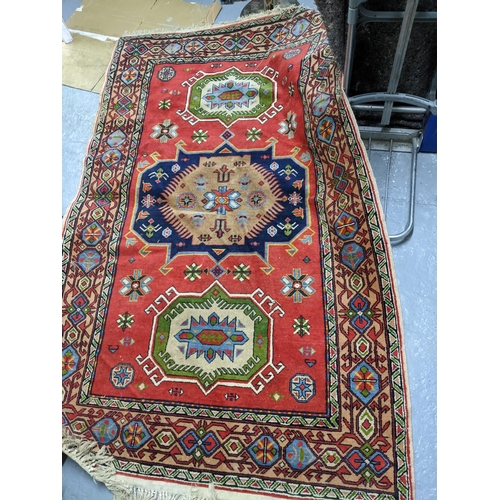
<point x="222" y="201"/>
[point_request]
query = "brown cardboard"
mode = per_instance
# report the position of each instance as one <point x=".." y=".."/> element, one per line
<point x="185" y="15"/>
<point x="85" y="61"/>
<point x="115" y="18"/>
<point x="98" y="23"/>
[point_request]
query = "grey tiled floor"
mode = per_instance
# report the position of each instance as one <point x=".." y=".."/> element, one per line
<point x="415" y="263"/>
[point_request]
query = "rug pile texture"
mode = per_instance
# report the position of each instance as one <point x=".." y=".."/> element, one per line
<point x="231" y="325"/>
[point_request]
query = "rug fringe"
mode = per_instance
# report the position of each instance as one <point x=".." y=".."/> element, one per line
<point x="99" y="465"/>
<point x="95" y="462"/>
<point x="144" y="494"/>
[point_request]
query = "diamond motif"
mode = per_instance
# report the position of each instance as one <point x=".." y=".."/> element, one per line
<point x="363" y="347"/>
<point x="212" y="338"/>
<point x="298" y="455"/>
<point x="165" y="439"/>
<point x="364" y="382"/>
<point x="331" y="458"/>
<point x="366" y="423"/>
<point x="217" y="271"/>
<point x="360" y="313"/>
<point x="134" y="435"/>
<point x="265" y="451"/>
<point x="233" y="447"/>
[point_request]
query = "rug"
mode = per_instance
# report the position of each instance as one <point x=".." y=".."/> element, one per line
<point x="231" y="325"/>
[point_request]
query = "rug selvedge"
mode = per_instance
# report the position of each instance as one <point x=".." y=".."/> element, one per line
<point x="215" y="217"/>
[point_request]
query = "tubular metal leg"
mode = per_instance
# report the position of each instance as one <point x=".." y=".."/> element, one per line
<point x="387" y="176"/>
<point x="352" y="20"/>
<point x="400" y="237"/>
<point x="384" y="132"/>
<point x="404" y="38"/>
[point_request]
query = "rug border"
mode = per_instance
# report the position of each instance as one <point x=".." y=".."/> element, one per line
<point x="395" y="287"/>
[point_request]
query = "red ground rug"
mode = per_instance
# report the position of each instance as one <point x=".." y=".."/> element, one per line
<point x="230" y="316"/>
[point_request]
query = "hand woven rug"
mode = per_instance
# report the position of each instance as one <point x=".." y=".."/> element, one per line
<point x="231" y="326"/>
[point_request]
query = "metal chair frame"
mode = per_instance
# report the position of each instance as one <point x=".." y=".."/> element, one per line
<point x="385" y="102"/>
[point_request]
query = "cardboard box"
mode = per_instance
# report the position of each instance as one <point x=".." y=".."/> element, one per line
<point x="115" y="18"/>
<point x="97" y="24"/>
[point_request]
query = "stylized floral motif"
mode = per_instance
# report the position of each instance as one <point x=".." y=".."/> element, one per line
<point x="295" y="198"/>
<point x="297" y="285"/>
<point x="129" y="75"/>
<point x="135" y="286"/>
<point x="364" y="382"/>
<point x="298" y="455"/>
<point x="164" y="104"/>
<point x="166" y="74"/>
<point x="241" y="272"/>
<point x="256" y="199"/>
<point x="302" y="387"/>
<point x="134" y="435"/>
<point x="288" y="126"/>
<point x="253" y="134"/>
<point x="164" y="131"/>
<point x="265" y="451"/>
<point x="125" y="321"/>
<point x="122" y="375"/>
<point x="148" y="201"/>
<point x="346" y="226"/>
<point x="222" y="200"/>
<point x="301" y="326"/>
<point x="192" y="272"/>
<point x="105" y="430"/>
<point x="69" y="362"/>
<point x="200" y="136"/>
<point x="352" y="255"/>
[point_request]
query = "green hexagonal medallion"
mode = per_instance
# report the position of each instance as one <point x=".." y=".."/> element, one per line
<point x="230" y="96"/>
<point x="212" y="338"/>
